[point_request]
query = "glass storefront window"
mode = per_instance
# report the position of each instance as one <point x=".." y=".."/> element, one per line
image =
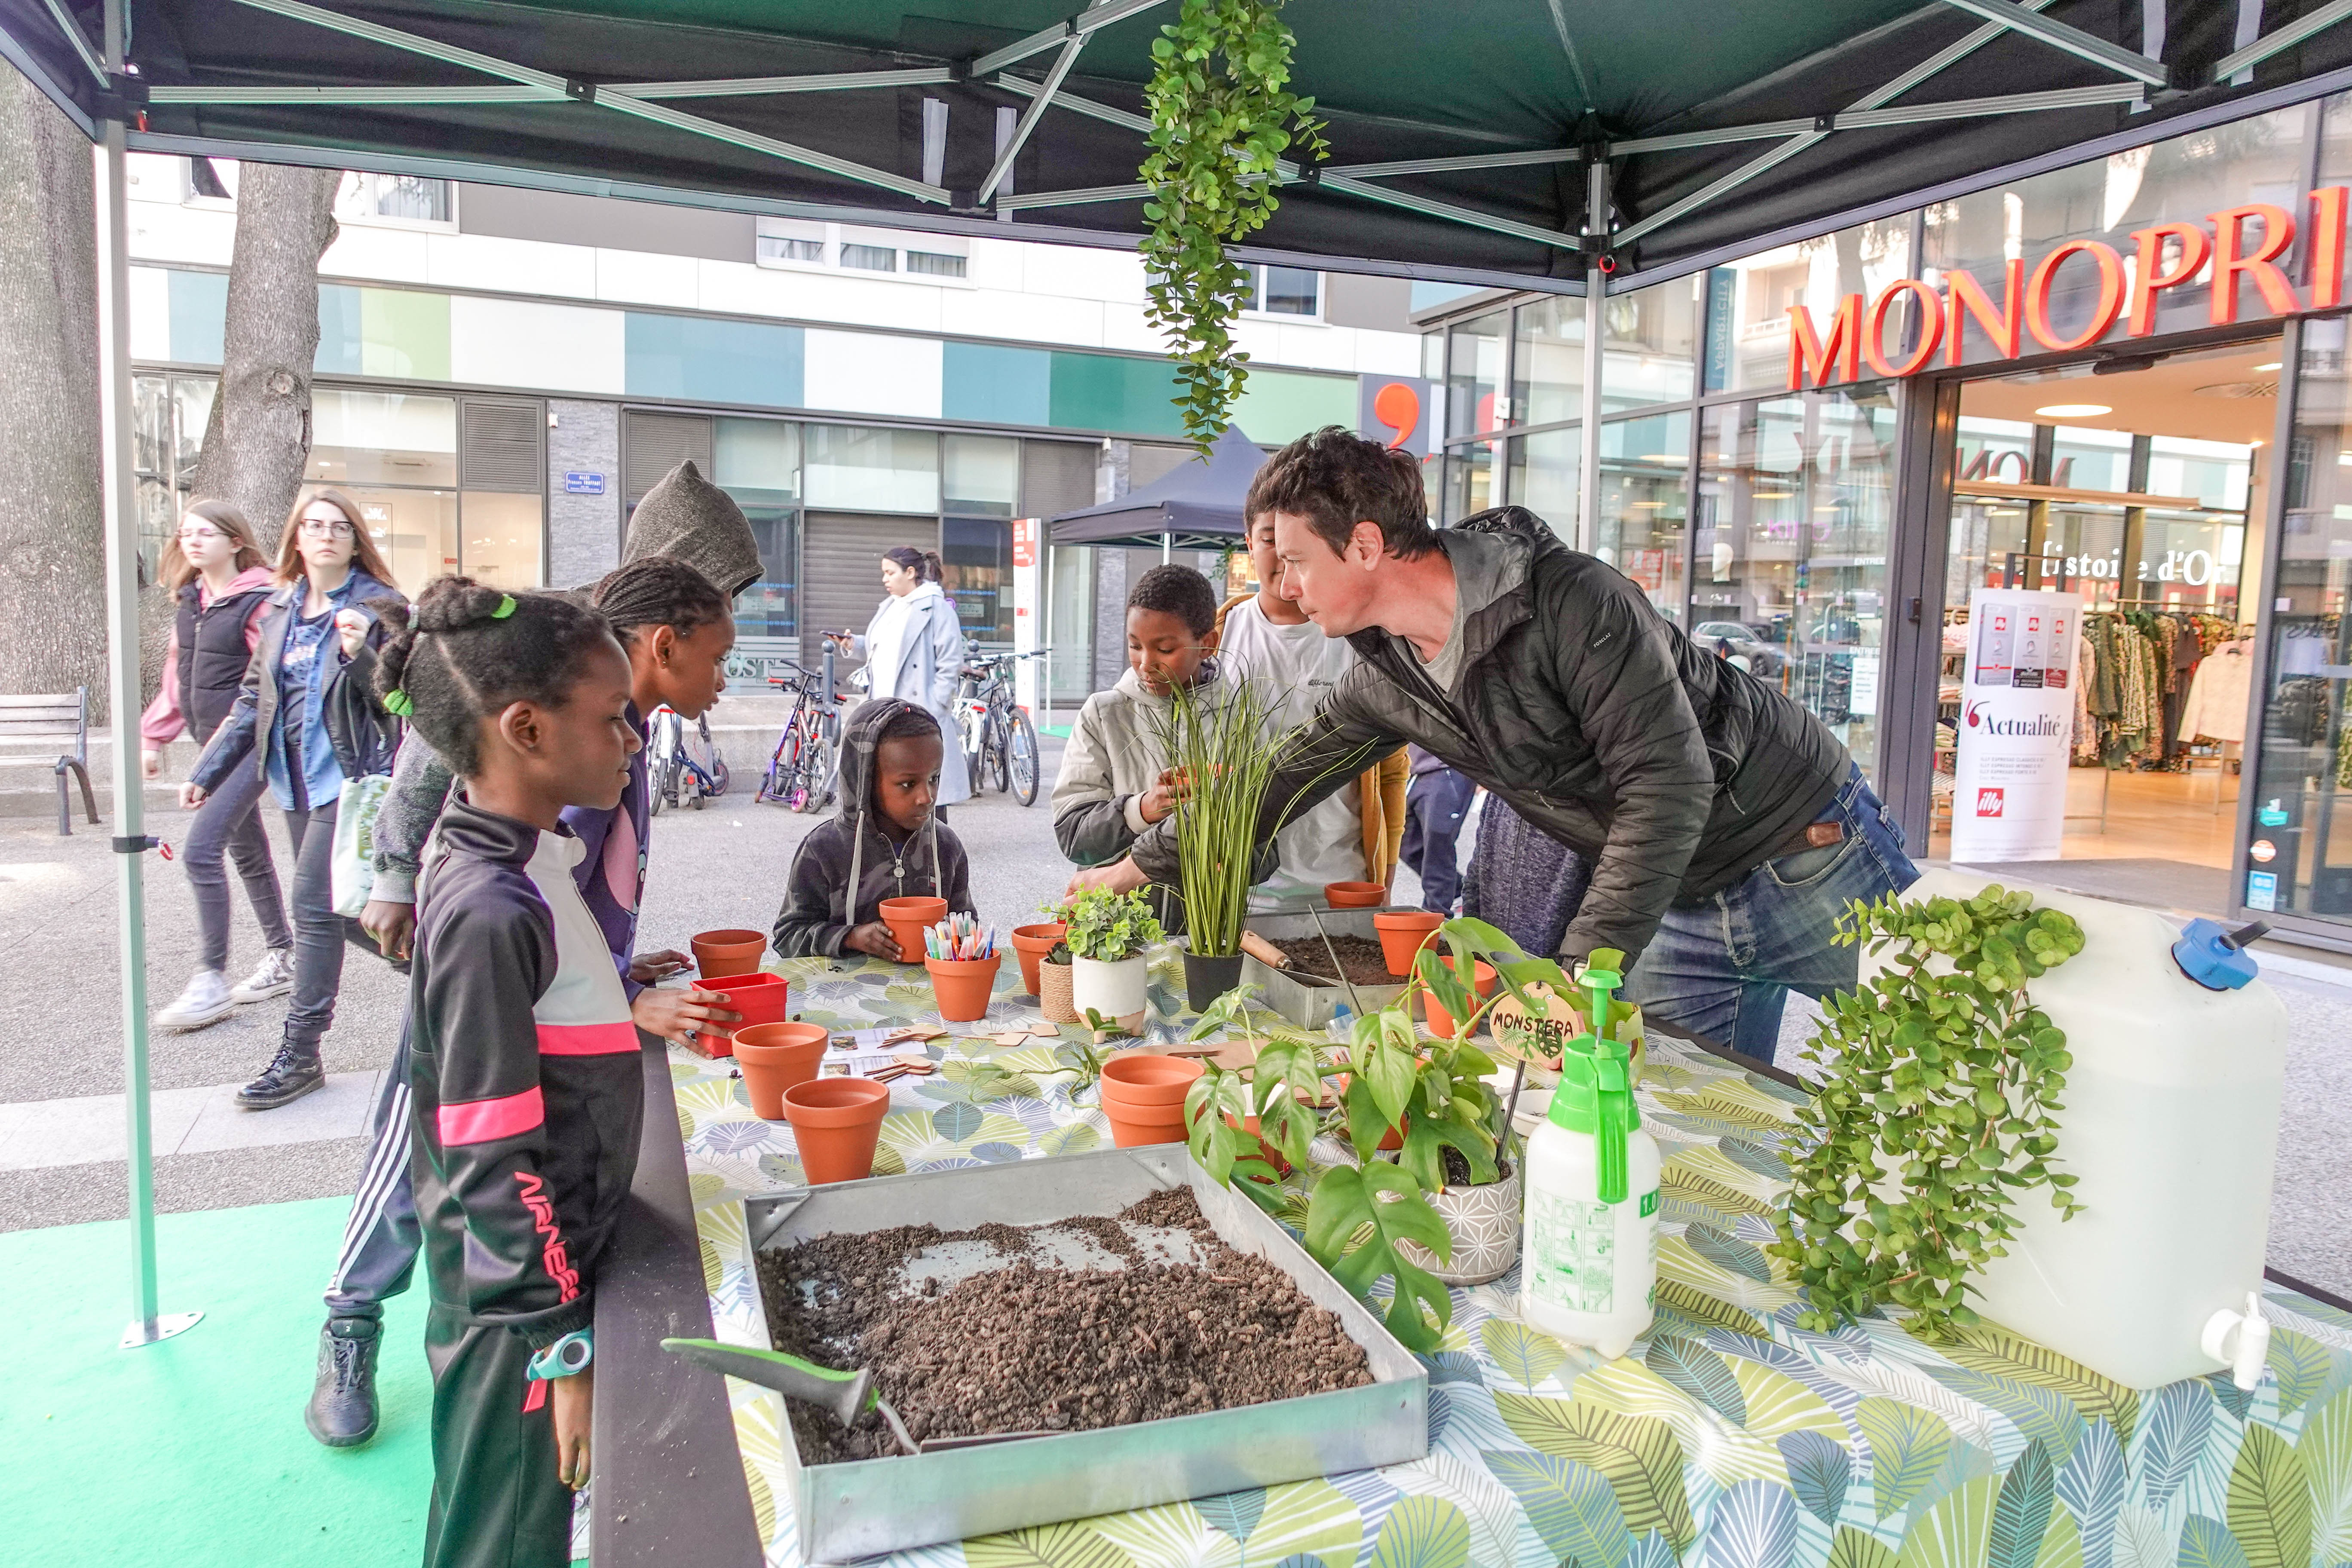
<point x="1548" y="362"/>
<point x="977" y="556"/>
<point x="382" y="438"/>
<point x="756" y="458"/>
<point x="2216" y="473"/>
<point x="1547" y="478"/>
<point x="1747" y="304"/>
<point x="1645" y="515"/>
<point x="1795" y="505"/>
<point x="418" y="531"/>
<point x="1469" y="479"/>
<point x="2192" y="560"/>
<point x="1069" y="625"/>
<point x="1474" y="375"/>
<point x="859" y="468"/>
<point x="758" y="462"/>
<point x="981" y="474"/>
<point x="1650" y="346"/>
<point x="2090" y="460"/>
<point x="502" y="538"/>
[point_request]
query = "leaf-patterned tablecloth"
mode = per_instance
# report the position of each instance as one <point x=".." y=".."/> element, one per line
<point x="1729" y="1437"/>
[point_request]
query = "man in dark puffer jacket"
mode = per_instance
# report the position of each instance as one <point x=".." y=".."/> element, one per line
<point x="1727" y="827"/>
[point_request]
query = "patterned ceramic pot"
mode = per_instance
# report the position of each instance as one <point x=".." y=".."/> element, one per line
<point x="1485" y="1224"/>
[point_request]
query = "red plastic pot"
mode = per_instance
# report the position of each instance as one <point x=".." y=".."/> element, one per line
<point x="1143" y="1096"/>
<point x="1404" y="933"/>
<point x="1354" y="895"/>
<point x="1033" y="944"/>
<point x="760" y="997"/>
<point x="908" y="920"/>
<point x="728" y="952"/>
<point x="1482" y="983"/>
<point x="774" y="1059"/>
<point x="836" y="1122"/>
<point x="963" y="986"/>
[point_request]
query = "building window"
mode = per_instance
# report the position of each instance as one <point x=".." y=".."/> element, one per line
<point x="1286" y="291"/>
<point x="932" y="264"/>
<point x="870" y="257"/>
<point x="399" y="200"/>
<point x="210" y="181"/>
<point x="778" y="247"/>
<point x="804" y="243"/>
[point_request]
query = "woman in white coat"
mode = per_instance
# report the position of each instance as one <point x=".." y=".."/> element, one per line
<point x="913" y="649"/>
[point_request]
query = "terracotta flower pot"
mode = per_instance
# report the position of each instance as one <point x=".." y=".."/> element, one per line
<point x="728" y="952"/>
<point x="1033" y="944"/>
<point x="1054" y="994"/>
<point x="1485" y="1224"/>
<point x="1482" y="983"/>
<point x="963" y="986"/>
<point x="1354" y="895"/>
<point x="1404" y="933"/>
<point x="760" y="997"/>
<point x="836" y="1122"/>
<point x="1264" y="1151"/>
<point x="775" y="1058"/>
<point x="908" y="920"/>
<point x="1143" y="1096"/>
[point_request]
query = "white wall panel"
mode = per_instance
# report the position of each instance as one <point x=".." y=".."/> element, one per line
<point x="516" y="343"/>
<point x="862" y="373"/>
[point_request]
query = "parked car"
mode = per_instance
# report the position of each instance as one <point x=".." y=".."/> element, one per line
<point x="1735" y="639"/>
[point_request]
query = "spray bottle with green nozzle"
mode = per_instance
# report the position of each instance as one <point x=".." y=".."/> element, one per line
<point x="1591" y="1265"/>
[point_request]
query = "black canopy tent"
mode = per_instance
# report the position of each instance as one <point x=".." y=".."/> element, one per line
<point x="1197" y="506"/>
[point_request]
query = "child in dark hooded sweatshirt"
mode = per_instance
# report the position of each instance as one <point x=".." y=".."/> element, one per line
<point x="886" y="843"/>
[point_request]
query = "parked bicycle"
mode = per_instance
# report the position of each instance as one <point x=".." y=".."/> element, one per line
<point x="679" y="772"/>
<point x="805" y="769"/>
<point x="999" y="742"/>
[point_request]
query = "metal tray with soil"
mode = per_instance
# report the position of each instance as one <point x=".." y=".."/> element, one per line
<point x="1118" y="1303"/>
<point x="1310" y="1000"/>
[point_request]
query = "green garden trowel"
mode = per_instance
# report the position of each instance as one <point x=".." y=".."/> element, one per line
<point x="849" y="1395"/>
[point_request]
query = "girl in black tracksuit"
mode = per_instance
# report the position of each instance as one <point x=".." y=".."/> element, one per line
<point x="524" y="1068"/>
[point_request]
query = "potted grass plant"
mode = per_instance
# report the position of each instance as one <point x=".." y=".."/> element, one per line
<point x="1443" y="1205"/>
<point x="1221" y="747"/>
<point x="1110" y="936"/>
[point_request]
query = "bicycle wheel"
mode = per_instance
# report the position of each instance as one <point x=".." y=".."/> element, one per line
<point x="783" y="767"/>
<point x="823" y="765"/>
<point x="1021" y="748"/>
<point x="661" y="784"/>
<point x="997" y="762"/>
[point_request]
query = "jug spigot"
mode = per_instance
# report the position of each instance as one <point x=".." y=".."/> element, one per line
<point x="2239" y="1340"/>
<point x="1600" y="980"/>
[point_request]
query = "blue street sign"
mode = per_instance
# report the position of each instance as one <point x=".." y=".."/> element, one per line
<point x="583" y="484"/>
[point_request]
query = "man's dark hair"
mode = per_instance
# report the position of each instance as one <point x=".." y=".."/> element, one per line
<point x="1336" y="480"/>
<point x="1177" y="591"/>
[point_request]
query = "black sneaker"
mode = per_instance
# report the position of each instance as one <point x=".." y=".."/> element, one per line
<point x="294" y="1073"/>
<point x="341" y="1411"/>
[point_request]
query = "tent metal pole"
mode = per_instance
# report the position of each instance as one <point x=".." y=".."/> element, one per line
<point x="2281" y="38"/>
<point x="1038" y="104"/>
<point x="1596" y="298"/>
<point x="1102" y="15"/>
<point x="2073" y="40"/>
<point x="1167" y="548"/>
<point x="131" y="842"/>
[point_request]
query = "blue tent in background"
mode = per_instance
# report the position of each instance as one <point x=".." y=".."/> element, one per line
<point x="1196" y="507"/>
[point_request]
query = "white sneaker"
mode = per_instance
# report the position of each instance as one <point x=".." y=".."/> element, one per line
<point x="207" y="1000"/>
<point x="274" y="977"/>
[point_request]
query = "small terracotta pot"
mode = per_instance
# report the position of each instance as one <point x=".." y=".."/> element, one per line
<point x="836" y="1122"/>
<point x="1033" y="944"/>
<point x="1054" y="994"/>
<point x="1394" y="1137"/>
<point x="1404" y="933"/>
<point x="728" y="952"/>
<point x="1143" y="1096"/>
<point x="774" y="1058"/>
<point x="908" y="920"/>
<point x="1354" y="895"/>
<point x="760" y="997"/>
<point x="963" y="986"/>
<point x="1482" y="983"/>
<point x="1264" y="1151"/>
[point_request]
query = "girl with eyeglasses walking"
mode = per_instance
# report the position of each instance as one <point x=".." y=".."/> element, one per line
<point x="305" y="722"/>
<point x="216" y="572"/>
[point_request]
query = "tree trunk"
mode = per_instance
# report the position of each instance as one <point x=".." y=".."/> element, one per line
<point x="52" y="519"/>
<point x="257" y="439"/>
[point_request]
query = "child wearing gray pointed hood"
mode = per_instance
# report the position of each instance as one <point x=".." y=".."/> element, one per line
<point x="886" y="842"/>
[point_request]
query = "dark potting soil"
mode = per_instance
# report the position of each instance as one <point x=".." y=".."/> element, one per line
<point x="1034" y="1345"/>
<point x="1360" y="959"/>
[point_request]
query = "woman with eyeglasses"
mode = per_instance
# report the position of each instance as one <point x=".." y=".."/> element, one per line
<point x="222" y="582"/>
<point x="304" y="722"/>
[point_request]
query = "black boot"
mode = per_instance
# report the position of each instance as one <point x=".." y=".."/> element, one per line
<point x="341" y="1411"/>
<point x="293" y="1073"/>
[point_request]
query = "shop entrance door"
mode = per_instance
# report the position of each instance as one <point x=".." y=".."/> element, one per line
<point x="2140" y="486"/>
<point x="841" y="568"/>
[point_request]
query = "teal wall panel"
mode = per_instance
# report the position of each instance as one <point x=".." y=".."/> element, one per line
<point x="199" y="313"/>
<point x="716" y="361"/>
<point x="986" y="382"/>
<point x="340" y="336"/>
<point x="1130" y="396"/>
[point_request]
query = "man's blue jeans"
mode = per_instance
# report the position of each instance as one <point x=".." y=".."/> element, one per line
<point x="1723" y="967"/>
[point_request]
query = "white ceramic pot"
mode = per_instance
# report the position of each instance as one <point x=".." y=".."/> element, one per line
<point x="1114" y="990"/>
<point x="1485" y="1224"/>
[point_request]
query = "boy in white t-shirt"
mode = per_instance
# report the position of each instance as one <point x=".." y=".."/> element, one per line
<point x="1266" y="638"/>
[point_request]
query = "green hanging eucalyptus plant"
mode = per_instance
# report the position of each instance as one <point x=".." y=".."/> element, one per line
<point x="1222" y="117"/>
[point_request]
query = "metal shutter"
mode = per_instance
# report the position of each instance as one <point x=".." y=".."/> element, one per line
<point x="1056" y="476"/>
<point x="841" y="570"/>
<point x="500" y="446"/>
<point x="654" y="443"/>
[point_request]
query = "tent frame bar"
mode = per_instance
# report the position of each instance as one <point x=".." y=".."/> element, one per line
<point x="2073" y="40"/>
<point x="1038" y="103"/>
<point x="2278" y="40"/>
<point x="732" y="87"/>
<point x="1077" y="27"/>
<point x="72" y="30"/>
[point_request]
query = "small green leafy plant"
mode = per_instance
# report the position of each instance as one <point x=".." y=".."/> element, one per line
<point x="1933" y="1112"/>
<point x="1430" y="1091"/>
<point x="1106" y="926"/>
<point x="1222" y="117"/>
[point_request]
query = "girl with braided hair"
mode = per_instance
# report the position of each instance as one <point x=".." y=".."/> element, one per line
<point x="523" y="1069"/>
<point x="677" y="629"/>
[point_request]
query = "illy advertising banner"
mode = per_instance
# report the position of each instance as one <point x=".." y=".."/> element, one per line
<point x="2017" y="719"/>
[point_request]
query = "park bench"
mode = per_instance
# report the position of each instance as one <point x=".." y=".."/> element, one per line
<point x="29" y="720"/>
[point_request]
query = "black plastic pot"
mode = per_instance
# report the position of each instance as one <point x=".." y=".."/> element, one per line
<point x="1209" y="976"/>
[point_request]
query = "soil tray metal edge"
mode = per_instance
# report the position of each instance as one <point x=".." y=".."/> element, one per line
<point x="1312" y="1006"/>
<point x="864" y="1507"/>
